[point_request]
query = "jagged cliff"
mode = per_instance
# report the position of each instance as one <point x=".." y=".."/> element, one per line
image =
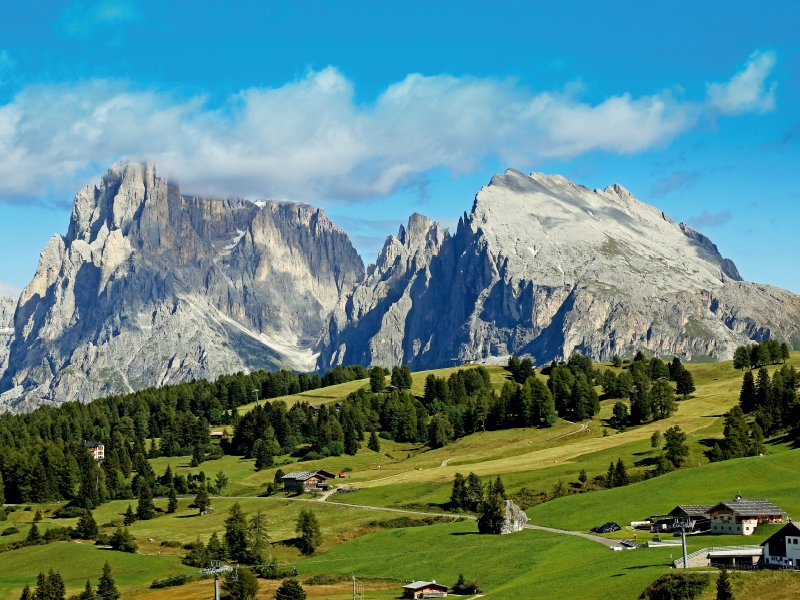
<point x="547" y="267"/>
<point x="7" y="306"/>
<point x="150" y="287"/>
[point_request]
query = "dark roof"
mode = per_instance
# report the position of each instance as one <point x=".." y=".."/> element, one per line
<point x="93" y="444"/>
<point x="416" y="585"/>
<point x="692" y="509"/>
<point x="789" y="529"/>
<point x="751" y="506"/>
<point x="304" y="475"/>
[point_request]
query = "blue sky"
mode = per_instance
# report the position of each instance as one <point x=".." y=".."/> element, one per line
<point x="374" y="110"/>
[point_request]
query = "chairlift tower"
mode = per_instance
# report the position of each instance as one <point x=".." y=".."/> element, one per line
<point x="215" y="568"/>
<point x="683" y="522"/>
<point x="358" y="589"/>
<point x="256" y="393"/>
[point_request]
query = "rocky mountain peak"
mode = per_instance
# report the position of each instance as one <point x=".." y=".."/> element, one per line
<point x="151" y="287"/>
<point x="545" y="266"/>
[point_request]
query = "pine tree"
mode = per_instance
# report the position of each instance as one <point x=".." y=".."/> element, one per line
<point x="735" y="431"/>
<point x="656" y="440"/>
<point x="377" y="380"/>
<point x="172" y="502"/>
<point x="123" y="541"/>
<point x="785" y="354"/>
<point x="88" y="592"/>
<point x="747" y="397"/>
<point x="610" y="475"/>
<point x="309" y="531"/>
<point x="145" y="509"/>
<point x="458" y="497"/>
<point x="202" y="501"/>
<point x="662" y="399"/>
<point x="499" y="488"/>
<point x="290" y="589"/>
<point x="374" y="443"/>
<point x="258" y="537"/>
<point x="685" y="383"/>
<point x="27" y="593"/>
<point x="474" y="492"/>
<point x="582" y="477"/>
<point x="741" y="358"/>
<point x="129" y="518"/>
<point x="724" y="590"/>
<point x="675" y="448"/>
<point x="2" y="491"/>
<point x="221" y="482"/>
<point x="107" y="589"/>
<point x="236" y="534"/>
<point x="34" y="536"/>
<point x="86" y="528"/>
<point x="492" y="513"/>
<point x="620" y="474"/>
<point x="58" y="590"/>
<point x="215" y="549"/>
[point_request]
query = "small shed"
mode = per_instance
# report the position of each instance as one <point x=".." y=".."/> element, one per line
<point x="425" y="589"/>
<point x="308" y="481"/>
<point x="782" y="549"/>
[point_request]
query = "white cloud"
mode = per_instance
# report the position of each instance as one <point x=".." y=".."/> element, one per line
<point x="748" y="90"/>
<point x="81" y="22"/>
<point x="6" y="289"/>
<point x="309" y="139"/>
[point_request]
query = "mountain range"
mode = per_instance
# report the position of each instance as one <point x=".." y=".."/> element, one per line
<point x="151" y="287"/>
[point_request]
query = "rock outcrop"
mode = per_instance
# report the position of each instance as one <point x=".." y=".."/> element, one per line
<point x="546" y="267"/>
<point x="7" y="306"/>
<point x="515" y="518"/>
<point x="150" y="287"/>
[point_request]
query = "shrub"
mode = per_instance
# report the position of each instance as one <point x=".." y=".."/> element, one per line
<point x="311" y="456"/>
<point x="67" y="512"/>
<point x="173" y="581"/>
<point x="463" y="587"/>
<point x="323" y="580"/>
<point x="123" y="541"/>
<point x="171" y="544"/>
<point x="676" y="586"/>
<point x="10" y="531"/>
<point x="57" y="534"/>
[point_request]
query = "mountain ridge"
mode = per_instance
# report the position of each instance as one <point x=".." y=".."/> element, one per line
<point x="544" y="266"/>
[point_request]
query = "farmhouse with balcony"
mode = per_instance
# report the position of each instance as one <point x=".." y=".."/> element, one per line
<point x="742" y="516"/>
<point x="424" y="589"/>
<point x="306" y="481"/>
<point x="782" y="549"/>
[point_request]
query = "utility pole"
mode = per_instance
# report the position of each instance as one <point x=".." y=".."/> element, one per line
<point x="215" y="568"/>
<point x="681" y="522"/>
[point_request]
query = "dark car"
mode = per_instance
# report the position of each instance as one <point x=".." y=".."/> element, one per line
<point x="607" y="528"/>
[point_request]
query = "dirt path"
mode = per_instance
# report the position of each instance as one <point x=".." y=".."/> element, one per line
<point x="588" y="536"/>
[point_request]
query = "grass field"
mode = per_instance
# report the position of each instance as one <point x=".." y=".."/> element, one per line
<point x="412" y="477"/>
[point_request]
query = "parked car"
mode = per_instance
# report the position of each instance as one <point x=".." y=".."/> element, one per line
<point x="606" y="528"/>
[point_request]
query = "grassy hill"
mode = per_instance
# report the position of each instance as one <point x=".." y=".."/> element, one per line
<point x="409" y="476"/>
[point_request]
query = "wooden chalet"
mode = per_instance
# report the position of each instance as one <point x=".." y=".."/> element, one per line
<point x="306" y="481"/>
<point x="742" y="516"/>
<point x="425" y="589"/>
<point x="699" y="515"/>
<point x="782" y="549"/>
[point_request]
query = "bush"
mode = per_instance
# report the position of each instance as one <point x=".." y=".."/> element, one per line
<point x="123" y="541"/>
<point x="311" y="456"/>
<point x="386" y="435"/>
<point x="103" y="539"/>
<point x="463" y="587"/>
<point x="173" y="581"/>
<point x="171" y="544"/>
<point x="324" y="580"/>
<point x="676" y="586"/>
<point x="10" y="531"/>
<point x="57" y="534"/>
<point x="67" y="512"/>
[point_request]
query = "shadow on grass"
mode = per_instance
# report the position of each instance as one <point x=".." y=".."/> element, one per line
<point x="650" y="461"/>
<point x="465" y="533"/>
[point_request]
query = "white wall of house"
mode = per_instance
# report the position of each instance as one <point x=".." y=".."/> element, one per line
<point x="729" y="524"/>
<point x="792" y="557"/>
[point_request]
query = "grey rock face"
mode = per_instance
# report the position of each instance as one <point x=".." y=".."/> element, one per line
<point x="547" y="267"/>
<point x="150" y="287"/>
<point x="515" y="519"/>
<point x="7" y="306"/>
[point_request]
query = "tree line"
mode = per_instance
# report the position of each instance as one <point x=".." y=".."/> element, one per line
<point x="768" y="352"/>
<point x="767" y="406"/>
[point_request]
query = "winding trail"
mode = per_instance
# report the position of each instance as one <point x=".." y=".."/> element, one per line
<point x="588" y="536"/>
